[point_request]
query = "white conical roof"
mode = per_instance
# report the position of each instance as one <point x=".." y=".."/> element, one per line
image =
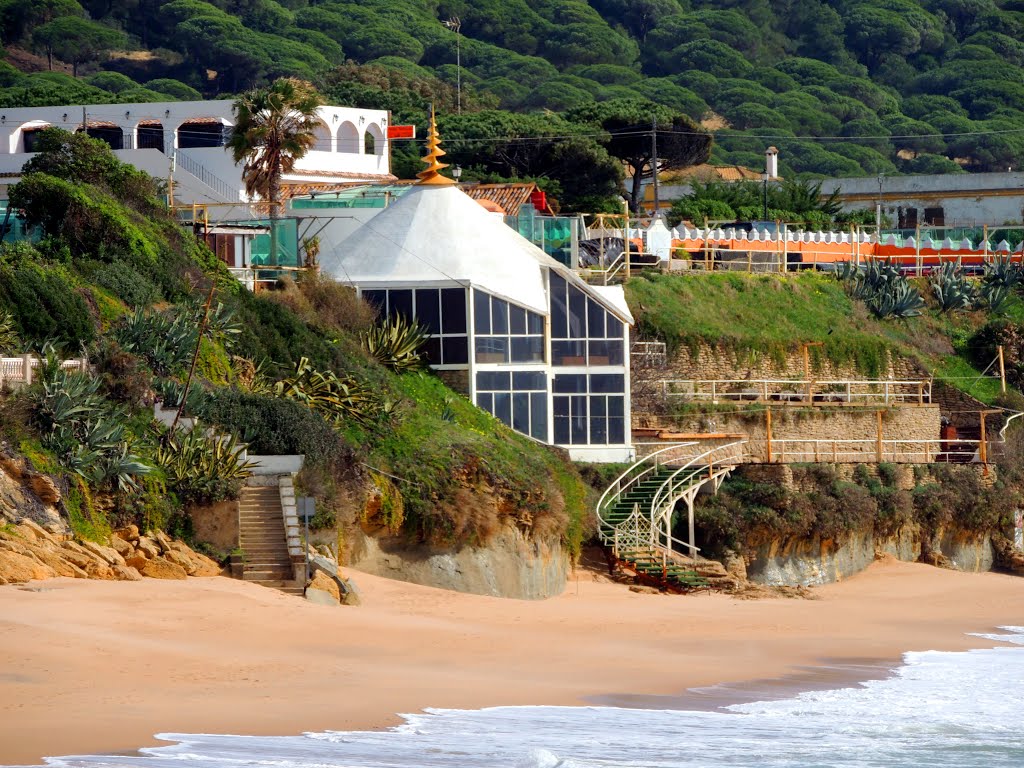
<point x="438" y="234"/>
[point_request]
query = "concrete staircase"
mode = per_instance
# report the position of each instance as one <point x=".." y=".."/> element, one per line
<point x="263" y="542"/>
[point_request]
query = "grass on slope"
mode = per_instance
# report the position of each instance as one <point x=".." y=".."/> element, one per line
<point x="754" y="315"/>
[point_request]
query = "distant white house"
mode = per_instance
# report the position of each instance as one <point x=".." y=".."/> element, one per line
<point x="351" y="146"/>
<point x="518" y="332"/>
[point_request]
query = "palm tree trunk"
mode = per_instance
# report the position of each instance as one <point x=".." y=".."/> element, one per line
<point x="275" y="213"/>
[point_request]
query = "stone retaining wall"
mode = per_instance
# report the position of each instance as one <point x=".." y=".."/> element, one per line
<point x="914" y="423"/>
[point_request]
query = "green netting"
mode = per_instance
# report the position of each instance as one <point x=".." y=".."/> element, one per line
<point x="287" y="244"/>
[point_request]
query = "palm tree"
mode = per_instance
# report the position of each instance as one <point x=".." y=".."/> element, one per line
<point x="274" y="127"/>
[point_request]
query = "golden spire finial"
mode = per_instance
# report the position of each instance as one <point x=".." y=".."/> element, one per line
<point x="431" y="174"/>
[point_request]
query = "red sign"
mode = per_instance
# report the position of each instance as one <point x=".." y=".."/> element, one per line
<point x="401" y="132"/>
<point x="539" y="200"/>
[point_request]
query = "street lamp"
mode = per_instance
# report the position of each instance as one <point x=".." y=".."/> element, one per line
<point x="455" y="25"/>
<point x="456" y="172"/>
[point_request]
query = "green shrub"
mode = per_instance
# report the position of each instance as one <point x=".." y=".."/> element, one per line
<point x="45" y="305"/>
<point x="274" y="425"/>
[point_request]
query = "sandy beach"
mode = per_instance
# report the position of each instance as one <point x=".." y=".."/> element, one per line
<point x="96" y="666"/>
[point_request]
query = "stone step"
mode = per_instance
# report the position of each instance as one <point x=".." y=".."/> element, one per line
<point x="266" y="574"/>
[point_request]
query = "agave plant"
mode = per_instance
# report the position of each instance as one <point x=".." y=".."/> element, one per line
<point x="85" y="431"/>
<point x="221" y="325"/>
<point x="9" y="341"/>
<point x="335" y="398"/>
<point x="899" y="300"/>
<point x="170" y="393"/>
<point x="202" y="468"/>
<point x="994" y="296"/>
<point x="165" y="343"/>
<point x="1003" y="270"/>
<point x="951" y="289"/>
<point x="396" y="344"/>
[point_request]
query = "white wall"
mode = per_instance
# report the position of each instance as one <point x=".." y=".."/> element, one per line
<point x="340" y="148"/>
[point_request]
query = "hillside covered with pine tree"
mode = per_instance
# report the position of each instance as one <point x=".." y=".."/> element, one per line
<point x="842" y="88"/>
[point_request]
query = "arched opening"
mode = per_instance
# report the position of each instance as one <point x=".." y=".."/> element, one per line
<point x="106" y="132"/>
<point x="150" y="135"/>
<point x="26" y="137"/>
<point x="324" y="138"/>
<point x="373" y="141"/>
<point x="203" y="132"/>
<point x="348" y="138"/>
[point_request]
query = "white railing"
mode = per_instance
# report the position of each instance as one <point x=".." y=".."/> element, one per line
<point x="648" y="527"/>
<point x="19" y="371"/>
<point x="885" y="391"/>
<point x="705" y="467"/>
<point x="641" y="469"/>
<point x="228" y="193"/>
<point x="607" y="274"/>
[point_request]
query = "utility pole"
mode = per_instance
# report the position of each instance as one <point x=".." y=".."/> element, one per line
<point x="654" y="164"/>
<point x="455" y="25"/>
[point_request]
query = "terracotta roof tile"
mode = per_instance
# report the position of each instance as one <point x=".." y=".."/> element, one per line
<point x="510" y="197"/>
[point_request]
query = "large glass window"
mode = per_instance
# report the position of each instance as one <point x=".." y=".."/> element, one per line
<point x="518" y="398"/>
<point x="506" y="333"/>
<point x="441" y="312"/>
<point x="582" y="331"/>
<point x="589" y="409"/>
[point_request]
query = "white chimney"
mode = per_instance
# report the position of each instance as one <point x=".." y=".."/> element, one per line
<point x="771" y="162"/>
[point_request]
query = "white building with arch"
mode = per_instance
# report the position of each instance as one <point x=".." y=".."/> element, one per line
<point x="351" y="144"/>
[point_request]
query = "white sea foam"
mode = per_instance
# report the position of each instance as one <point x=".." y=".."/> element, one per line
<point x="942" y="710"/>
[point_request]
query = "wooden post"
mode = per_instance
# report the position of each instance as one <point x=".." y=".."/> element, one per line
<point x="1002" y="369"/>
<point x="983" y="446"/>
<point x="768" y="431"/>
<point x="878" y="445"/>
<point x="807" y="371"/>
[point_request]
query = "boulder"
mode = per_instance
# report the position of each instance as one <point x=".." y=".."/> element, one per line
<point x="17" y="569"/>
<point x="121" y="546"/>
<point x="129" y="533"/>
<point x="204" y="566"/>
<point x="15" y="467"/>
<point x="137" y="560"/>
<point x="97" y="569"/>
<point x="31" y="529"/>
<point x="163" y="541"/>
<point x="322" y="590"/>
<point x="161" y="568"/>
<point x="173" y="556"/>
<point x="735" y="565"/>
<point x="147" y="547"/>
<point x="44" y="489"/>
<point x="109" y="554"/>
<point x="59" y="565"/>
<point x="126" y="573"/>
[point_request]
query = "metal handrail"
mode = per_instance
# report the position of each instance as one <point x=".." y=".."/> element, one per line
<point x="617" y="484"/>
<point x="229" y="193"/>
<point x="665" y="493"/>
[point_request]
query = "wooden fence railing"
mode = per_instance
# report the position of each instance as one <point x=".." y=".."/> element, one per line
<point x="800" y="391"/>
